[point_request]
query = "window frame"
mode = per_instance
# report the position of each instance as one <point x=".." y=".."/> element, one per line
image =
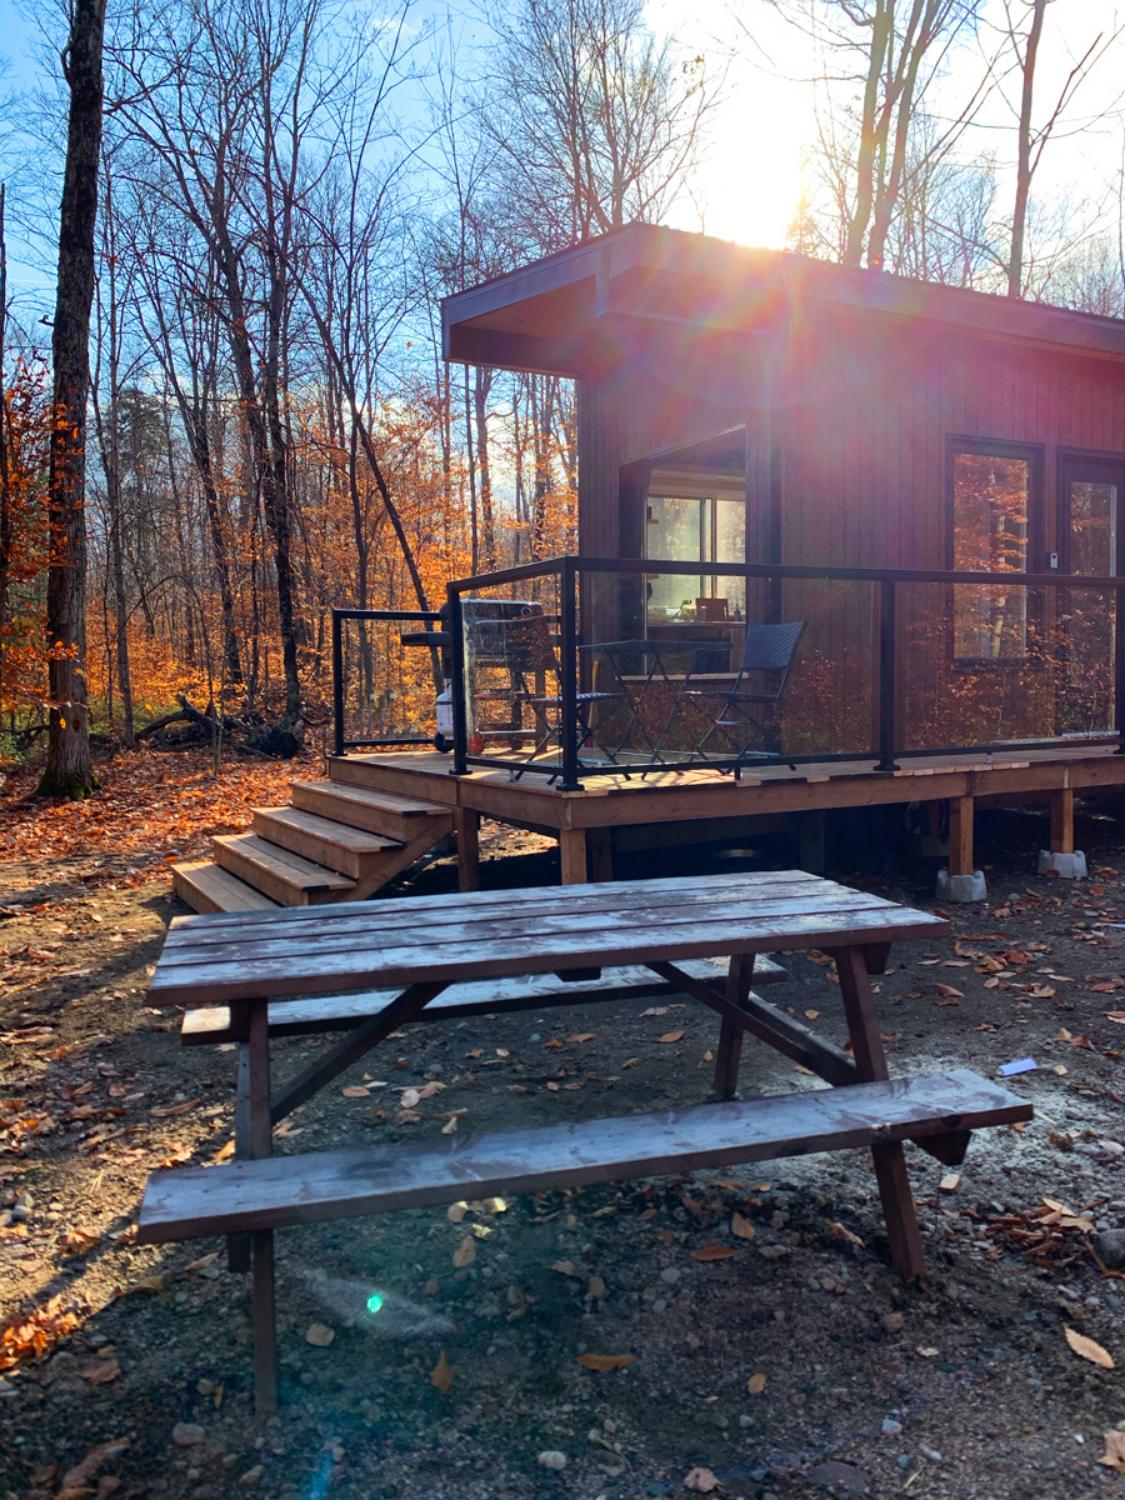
<point x="1034" y="455"/>
<point x="708" y="526"/>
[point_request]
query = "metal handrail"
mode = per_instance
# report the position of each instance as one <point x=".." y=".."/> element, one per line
<point x="340" y="742"/>
<point x="568" y="568"/>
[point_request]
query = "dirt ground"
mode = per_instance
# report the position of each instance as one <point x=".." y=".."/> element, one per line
<point x="428" y="1354"/>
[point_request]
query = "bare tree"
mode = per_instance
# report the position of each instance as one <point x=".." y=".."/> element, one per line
<point x="880" y="61"/>
<point x="598" y="122"/>
<point x="68" y="771"/>
<point x="1023" y="41"/>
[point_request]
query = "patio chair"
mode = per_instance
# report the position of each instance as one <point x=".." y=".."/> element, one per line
<point x="532" y="647"/>
<point x="525" y="643"/>
<point x="767" y="655"/>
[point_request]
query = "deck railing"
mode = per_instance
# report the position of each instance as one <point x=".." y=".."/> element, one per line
<point x="383" y="686"/>
<point x="552" y="665"/>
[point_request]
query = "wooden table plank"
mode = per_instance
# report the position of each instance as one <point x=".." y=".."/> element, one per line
<point x="274" y="1192"/>
<point x="375" y="919"/>
<point x="237" y="979"/>
<point x="577" y="926"/>
<point x="618" y="896"/>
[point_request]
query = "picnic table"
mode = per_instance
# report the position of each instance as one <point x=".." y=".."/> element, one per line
<point x="366" y="970"/>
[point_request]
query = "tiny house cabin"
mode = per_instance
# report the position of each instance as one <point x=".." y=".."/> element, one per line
<point x="755" y="407"/>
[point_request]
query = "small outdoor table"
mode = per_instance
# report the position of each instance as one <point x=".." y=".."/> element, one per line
<point x="635" y="687"/>
<point x="259" y="964"/>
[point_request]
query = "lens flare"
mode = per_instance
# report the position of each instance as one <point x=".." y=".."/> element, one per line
<point x="374" y="1302"/>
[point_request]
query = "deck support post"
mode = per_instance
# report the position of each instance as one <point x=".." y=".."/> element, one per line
<point x="1062" y="860"/>
<point x="466" y="828"/>
<point x="962" y="882"/>
<point x="572" y="855"/>
<point x="600" y="843"/>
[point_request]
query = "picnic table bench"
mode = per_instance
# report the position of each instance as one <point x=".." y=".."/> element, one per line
<point x="248" y="976"/>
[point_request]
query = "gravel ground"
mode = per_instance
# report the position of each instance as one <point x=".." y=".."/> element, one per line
<point x="765" y="1348"/>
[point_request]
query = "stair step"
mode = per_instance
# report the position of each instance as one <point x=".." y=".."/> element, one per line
<point x="203" y="886"/>
<point x="285" y="877"/>
<point x="338" y="846"/>
<point x="400" y="818"/>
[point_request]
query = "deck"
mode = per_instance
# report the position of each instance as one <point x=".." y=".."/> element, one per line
<point x="580" y="820"/>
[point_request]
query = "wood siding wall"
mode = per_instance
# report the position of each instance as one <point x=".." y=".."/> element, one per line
<point x="856" y="414"/>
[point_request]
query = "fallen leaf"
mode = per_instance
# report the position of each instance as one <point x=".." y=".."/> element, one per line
<point x="165" y="1112"/>
<point x="82" y="1473"/>
<point x="150" y="1284"/>
<point x="456" y="1212"/>
<point x="355" y="1091"/>
<point x="712" y="1252"/>
<point x="1087" y="1348"/>
<point x="595" y="1289"/>
<point x="606" y="1362"/>
<point x="581" y="1036"/>
<point x="224" y="1153"/>
<point x="203" y="1262"/>
<point x="949" y="991"/>
<point x="450" y="1126"/>
<point x="566" y="1268"/>
<point x="842" y="1232"/>
<point x="756" y="1384"/>
<point x="441" y="1375"/>
<point x="741" y="1227"/>
<point x="1114" y="1455"/>
<point x="101" y="1371"/>
<point x="701" y="1481"/>
<point x="319" y="1335"/>
<point x="670" y="1036"/>
<point x="465" y="1253"/>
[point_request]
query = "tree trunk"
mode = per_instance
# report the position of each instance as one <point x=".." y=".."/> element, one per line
<point x="1023" y="151"/>
<point x="68" y="772"/>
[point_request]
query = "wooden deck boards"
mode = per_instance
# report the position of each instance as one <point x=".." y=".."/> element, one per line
<point x="665" y="796"/>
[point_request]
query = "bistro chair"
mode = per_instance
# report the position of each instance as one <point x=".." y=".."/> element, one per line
<point x="767" y="658"/>
<point x="524" y="642"/>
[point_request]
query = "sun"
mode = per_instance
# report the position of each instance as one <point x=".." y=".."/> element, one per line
<point x="747" y="186"/>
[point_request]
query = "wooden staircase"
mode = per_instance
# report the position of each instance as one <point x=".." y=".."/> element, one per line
<point x="335" y="842"/>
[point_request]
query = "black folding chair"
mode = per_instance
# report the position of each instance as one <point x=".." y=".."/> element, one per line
<point x="767" y="656"/>
<point x="531" y="647"/>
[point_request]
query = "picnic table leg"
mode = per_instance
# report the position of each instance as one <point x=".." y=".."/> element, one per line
<point x="907" y="1255"/>
<point x="729" y="1052"/>
<point x="238" y="1245"/>
<point x="262" y="1258"/>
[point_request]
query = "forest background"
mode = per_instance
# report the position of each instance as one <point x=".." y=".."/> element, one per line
<point x="287" y="188"/>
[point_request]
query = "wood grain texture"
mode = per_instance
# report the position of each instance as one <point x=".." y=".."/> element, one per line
<point x="213" y="1023"/>
<point x="189" y="1202"/>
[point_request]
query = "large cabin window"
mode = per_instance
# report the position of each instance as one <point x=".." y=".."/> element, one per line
<point x="697" y="528"/>
<point x="993" y="493"/>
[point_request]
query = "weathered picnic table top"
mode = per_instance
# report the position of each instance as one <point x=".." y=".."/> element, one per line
<point x="305" y="951"/>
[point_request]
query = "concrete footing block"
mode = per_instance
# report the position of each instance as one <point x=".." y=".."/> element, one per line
<point x="1064" y="866"/>
<point x="962" y="888"/>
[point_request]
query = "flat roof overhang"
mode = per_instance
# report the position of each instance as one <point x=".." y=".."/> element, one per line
<point x="557" y="315"/>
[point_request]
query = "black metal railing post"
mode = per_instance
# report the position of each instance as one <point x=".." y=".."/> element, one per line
<point x="337" y="683"/>
<point x="460" y="766"/>
<point x="888" y="677"/>
<point x="1119" y="664"/>
<point x="570" y="728"/>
